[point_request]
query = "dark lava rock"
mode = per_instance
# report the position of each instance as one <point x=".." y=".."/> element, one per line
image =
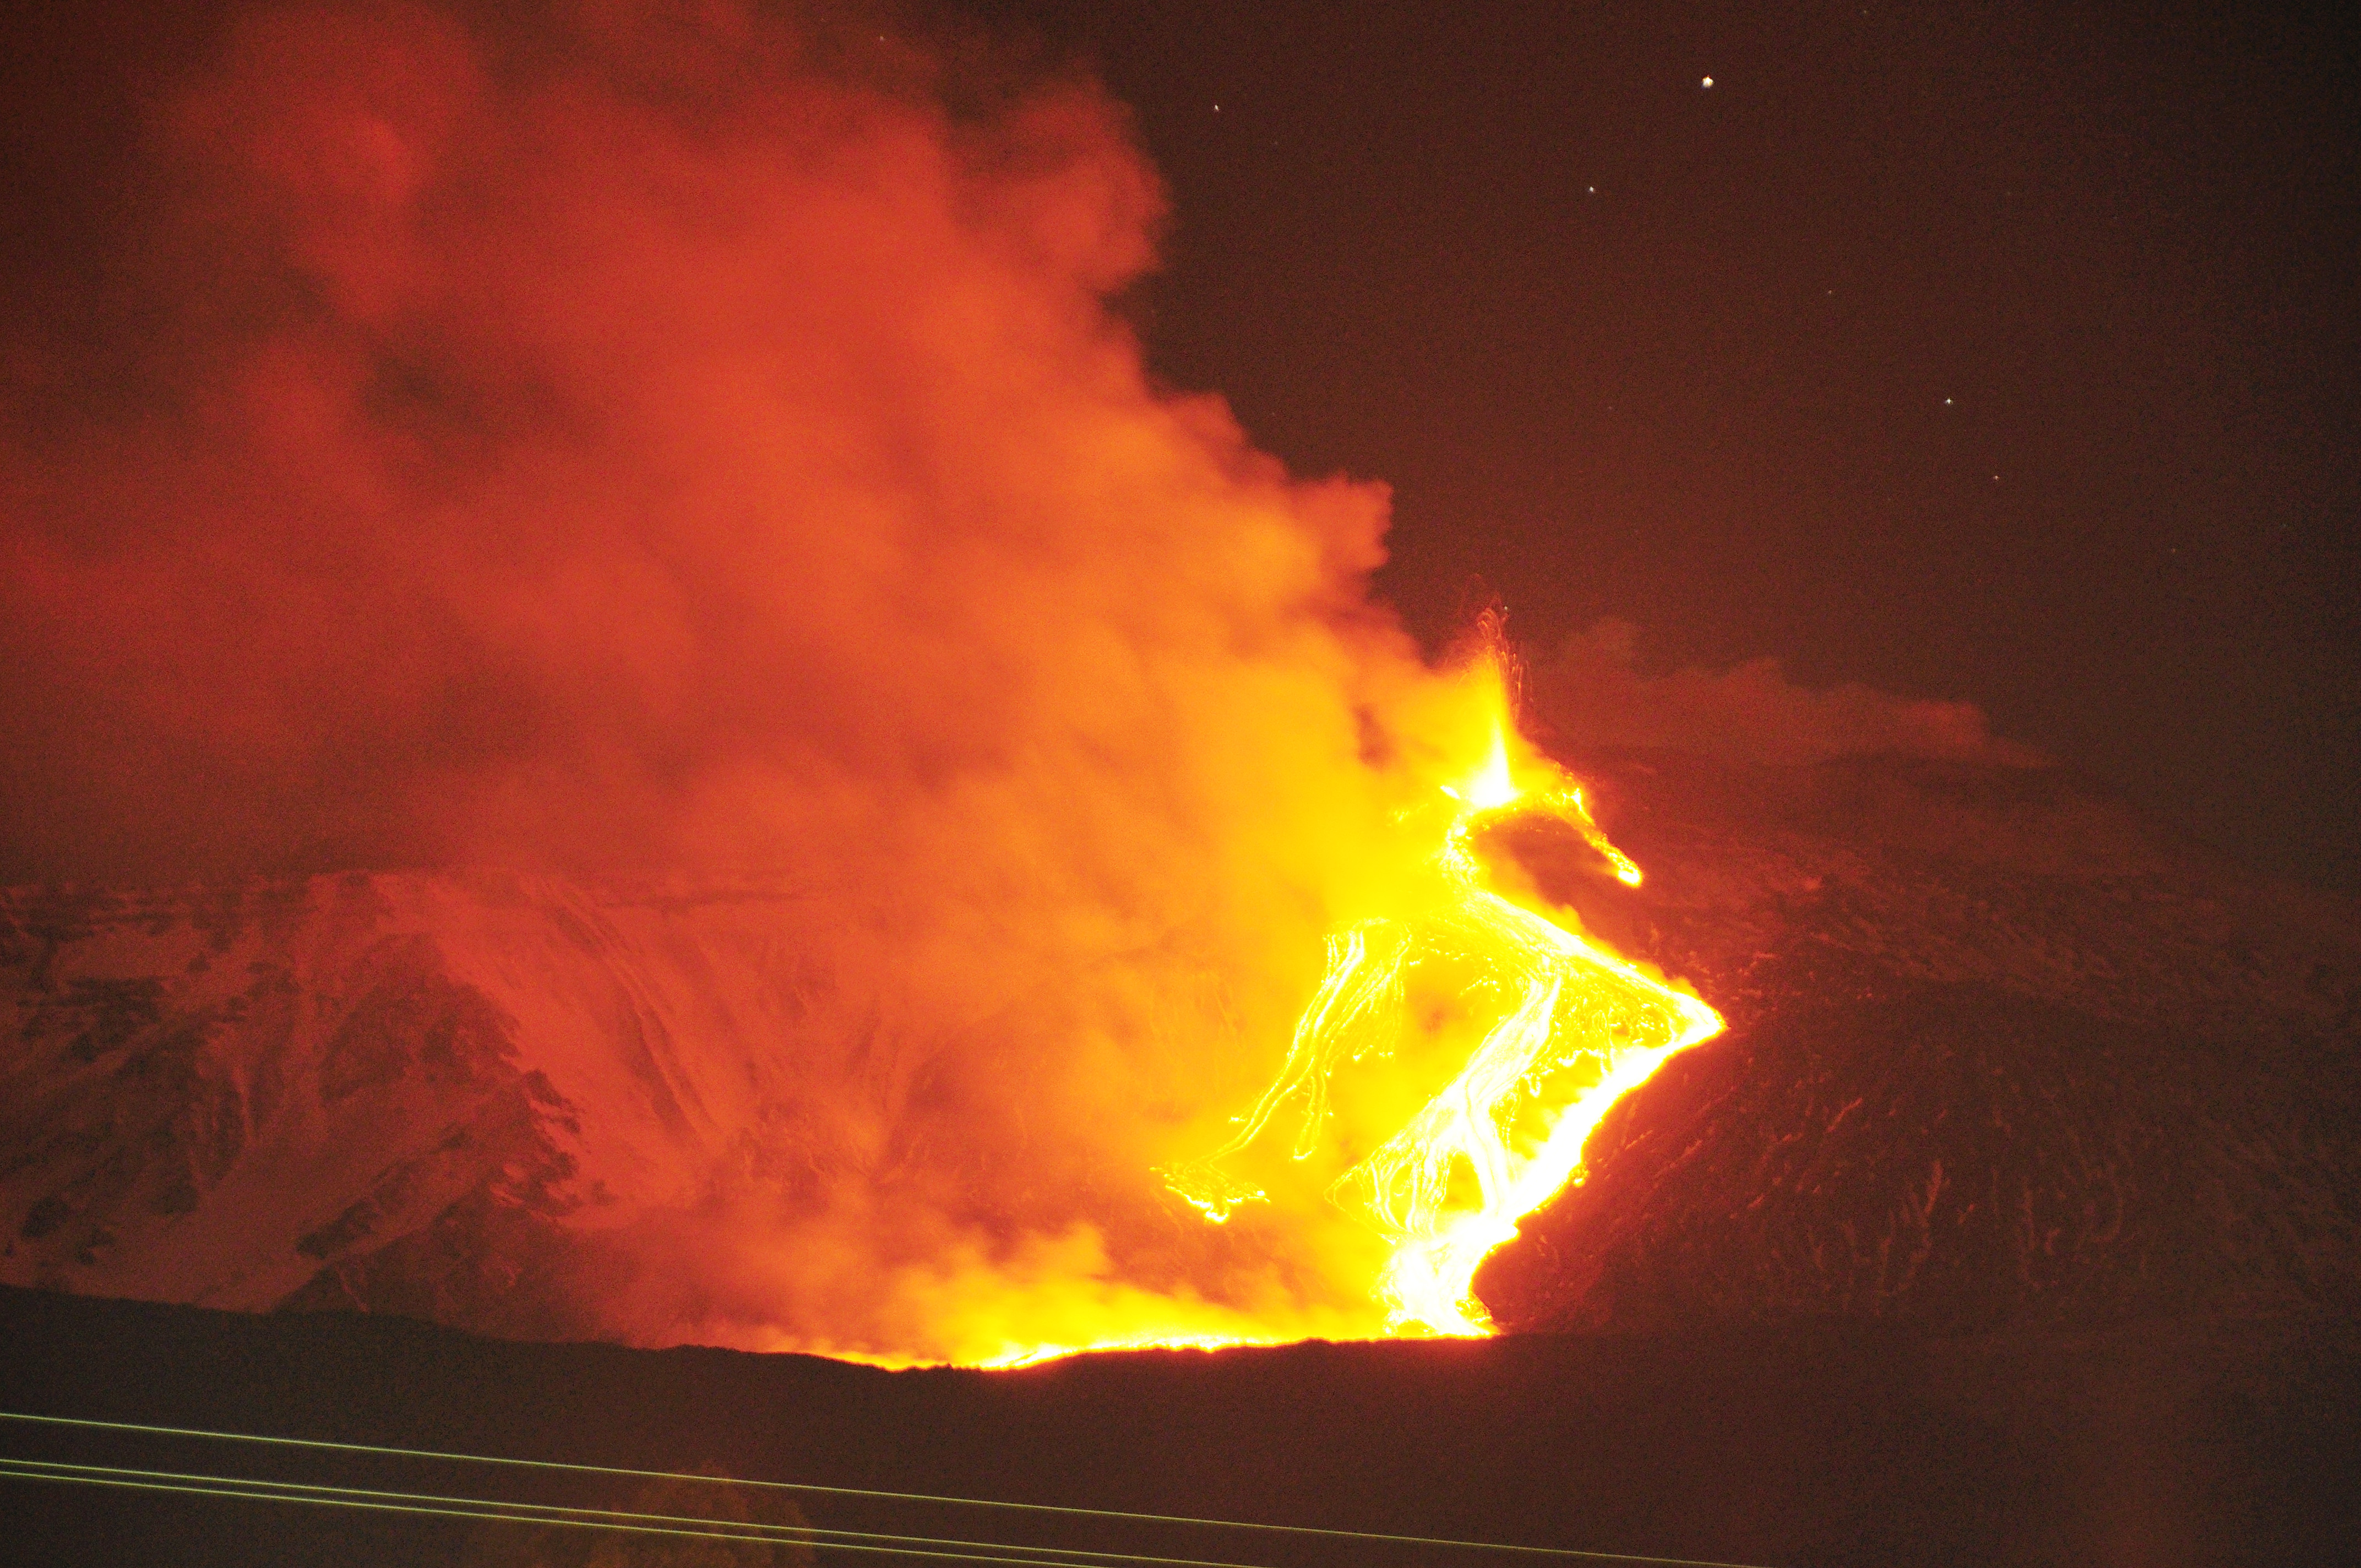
<point x="1998" y="1053"/>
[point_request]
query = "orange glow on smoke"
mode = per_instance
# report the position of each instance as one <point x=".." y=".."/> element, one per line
<point x="690" y="449"/>
<point x="1461" y="1045"/>
<point x="1536" y="1030"/>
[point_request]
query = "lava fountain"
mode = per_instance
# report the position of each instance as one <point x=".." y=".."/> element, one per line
<point x="1540" y="1027"/>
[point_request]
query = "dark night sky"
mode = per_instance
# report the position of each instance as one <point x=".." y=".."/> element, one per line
<point x="1968" y="351"/>
<point x="1991" y="353"/>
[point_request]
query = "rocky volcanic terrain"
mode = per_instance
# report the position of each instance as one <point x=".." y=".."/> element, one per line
<point x="1998" y="1054"/>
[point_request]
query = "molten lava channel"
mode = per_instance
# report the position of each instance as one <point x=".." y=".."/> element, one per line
<point x="1547" y="1027"/>
<point x="1466" y="1038"/>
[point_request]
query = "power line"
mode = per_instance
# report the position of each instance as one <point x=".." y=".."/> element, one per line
<point x="261" y="1487"/>
<point x="496" y="1514"/>
<point x="813" y="1488"/>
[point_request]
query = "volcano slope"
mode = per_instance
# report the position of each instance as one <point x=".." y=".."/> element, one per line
<point x="1999" y="1054"/>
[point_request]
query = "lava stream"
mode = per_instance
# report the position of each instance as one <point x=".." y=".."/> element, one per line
<point x="1565" y="1028"/>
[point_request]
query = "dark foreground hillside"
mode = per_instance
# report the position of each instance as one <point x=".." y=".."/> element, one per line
<point x="1820" y="1443"/>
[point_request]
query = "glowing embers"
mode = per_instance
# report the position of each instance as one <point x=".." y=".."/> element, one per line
<point x="1533" y="1029"/>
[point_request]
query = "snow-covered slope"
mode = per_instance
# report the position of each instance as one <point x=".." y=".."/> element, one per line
<point x="428" y="1094"/>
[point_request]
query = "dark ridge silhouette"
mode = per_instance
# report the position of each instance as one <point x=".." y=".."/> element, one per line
<point x="1824" y="1442"/>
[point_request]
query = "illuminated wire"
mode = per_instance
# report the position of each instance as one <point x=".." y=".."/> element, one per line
<point x="817" y="1489"/>
<point x="498" y="1512"/>
<point x="493" y="1512"/>
<point x="754" y="1529"/>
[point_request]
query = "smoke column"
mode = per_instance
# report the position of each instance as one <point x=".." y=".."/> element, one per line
<point x="689" y="441"/>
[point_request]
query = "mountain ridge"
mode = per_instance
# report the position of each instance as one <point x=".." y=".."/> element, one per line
<point x="1997" y="1051"/>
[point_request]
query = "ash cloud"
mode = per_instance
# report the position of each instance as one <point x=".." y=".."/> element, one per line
<point x="678" y="439"/>
<point x="510" y="445"/>
<point x="681" y="440"/>
<point x="1595" y="693"/>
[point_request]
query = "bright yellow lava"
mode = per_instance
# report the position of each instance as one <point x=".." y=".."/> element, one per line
<point x="1462" y="1046"/>
<point x="1565" y="1028"/>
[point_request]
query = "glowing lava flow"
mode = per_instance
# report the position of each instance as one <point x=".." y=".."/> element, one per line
<point x="1567" y="1029"/>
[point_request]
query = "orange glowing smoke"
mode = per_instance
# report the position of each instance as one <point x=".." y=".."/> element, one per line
<point x="696" y="442"/>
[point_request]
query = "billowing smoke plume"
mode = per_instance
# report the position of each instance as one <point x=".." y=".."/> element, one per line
<point x="637" y="439"/>
<point x="701" y="443"/>
<point x="648" y="441"/>
<point x="1593" y="692"/>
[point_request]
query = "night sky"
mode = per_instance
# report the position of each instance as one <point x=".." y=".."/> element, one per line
<point x="1984" y="353"/>
<point x="2004" y="354"/>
